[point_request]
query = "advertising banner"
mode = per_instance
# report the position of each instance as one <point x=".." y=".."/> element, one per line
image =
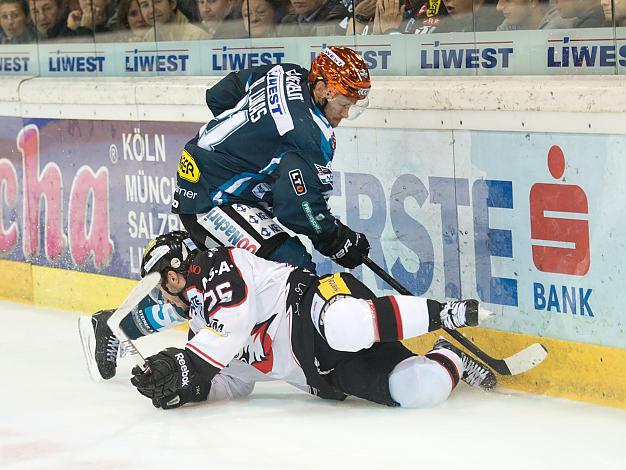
<point x="542" y="52"/>
<point x="531" y="224"/>
<point x="87" y="195"/>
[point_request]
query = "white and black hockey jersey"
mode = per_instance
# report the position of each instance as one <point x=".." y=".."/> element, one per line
<point x="242" y="327"/>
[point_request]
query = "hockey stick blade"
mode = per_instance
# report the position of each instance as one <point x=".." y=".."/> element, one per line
<point x="142" y="289"/>
<point x="526" y="359"/>
<point x="516" y="364"/>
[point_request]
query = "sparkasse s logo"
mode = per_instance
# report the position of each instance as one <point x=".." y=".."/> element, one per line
<point x="559" y="229"/>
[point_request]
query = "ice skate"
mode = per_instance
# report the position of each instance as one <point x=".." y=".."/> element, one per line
<point x="475" y="373"/>
<point x="100" y="346"/>
<point x="459" y="313"/>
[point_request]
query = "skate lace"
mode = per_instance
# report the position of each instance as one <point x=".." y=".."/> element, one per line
<point x="474" y="373"/>
<point x="123" y="350"/>
<point x="113" y="346"/>
<point x="454" y="315"/>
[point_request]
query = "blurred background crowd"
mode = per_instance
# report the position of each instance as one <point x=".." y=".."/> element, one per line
<point x="27" y="21"/>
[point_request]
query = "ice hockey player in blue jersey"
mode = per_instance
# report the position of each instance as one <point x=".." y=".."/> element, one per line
<point x="254" y="320"/>
<point x="265" y="157"/>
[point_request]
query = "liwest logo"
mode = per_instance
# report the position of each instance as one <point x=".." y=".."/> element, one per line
<point x="559" y="229"/>
<point x="77" y="61"/>
<point x="15" y="64"/>
<point x="375" y="59"/>
<point x="579" y="53"/>
<point x="156" y="61"/>
<point x="238" y="58"/>
<point x="448" y="55"/>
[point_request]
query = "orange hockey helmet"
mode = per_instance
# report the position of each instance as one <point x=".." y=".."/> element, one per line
<point x="343" y="70"/>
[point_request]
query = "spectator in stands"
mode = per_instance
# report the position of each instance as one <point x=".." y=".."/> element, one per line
<point x="531" y="14"/>
<point x="262" y="17"/>
<point x="131" y="25"/>
<point x="167" y="23"/>
<point x="90" y="17"/>
<point x="395" y="16"/>
<point x="618" y="10"/>
<point x="363" y="21"/>
<point x="221" y="18"/>
<point x="315" y="18"/>
<point x="49" y="18"/>
<point x="189" y="8"/>
<point x="388" y="16"/>
<point x="15" y="24"/>
<point x="468" y="15"/>
<point x="587" y="13"/>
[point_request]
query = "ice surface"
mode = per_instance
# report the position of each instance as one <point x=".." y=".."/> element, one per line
<point x="53" y="416"/>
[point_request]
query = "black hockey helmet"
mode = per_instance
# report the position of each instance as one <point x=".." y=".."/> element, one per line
<point x="169" y="252"/>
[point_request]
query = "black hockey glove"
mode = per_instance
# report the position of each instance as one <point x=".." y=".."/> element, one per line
<point x="173" y="380"/>
<point x="347" y="247"/>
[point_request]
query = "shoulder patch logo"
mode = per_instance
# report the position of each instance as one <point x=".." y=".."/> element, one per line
<point x="187" y="168"/>
<point x="331" y="286"/>
<point x="297" y="182"/>
<point x="324" y="173"/>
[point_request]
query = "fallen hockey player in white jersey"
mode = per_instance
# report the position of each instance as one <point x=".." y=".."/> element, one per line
<point x="255" y="320"/>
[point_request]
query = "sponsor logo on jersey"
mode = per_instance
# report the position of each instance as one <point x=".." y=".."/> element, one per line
<point x="260" y="189"/>
<point x="186" y="192"/>
<point x="306" y="207"/>
<point x="276" y="100"/>
<point x="324" y="173"/>
<point x="227" y="231"/>
<point x="297" y="182"/>
<point x="196" y="302"/>
<point x="217" y="328"/>
<point x="187" y="168"/>
<point x="333" y="285"/>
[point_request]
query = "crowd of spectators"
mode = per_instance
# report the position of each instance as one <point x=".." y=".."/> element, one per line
<point x="26" y="21"/>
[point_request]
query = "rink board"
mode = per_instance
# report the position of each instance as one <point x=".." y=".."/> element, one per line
<point x="529" y="223"/>
<point x="577" y="371"/>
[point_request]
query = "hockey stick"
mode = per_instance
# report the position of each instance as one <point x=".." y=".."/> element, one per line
<point x="520" y="362"/>
<point x="142" y="289"/>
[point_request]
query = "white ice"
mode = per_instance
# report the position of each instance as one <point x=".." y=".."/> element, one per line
<point x="53" y="416"/>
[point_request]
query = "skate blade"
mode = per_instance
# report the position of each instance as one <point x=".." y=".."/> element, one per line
<point x="484" y="315"/>
<point x="88" y="342"/>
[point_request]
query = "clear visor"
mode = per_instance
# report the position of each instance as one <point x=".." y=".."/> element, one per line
<point x="351" y="106"/>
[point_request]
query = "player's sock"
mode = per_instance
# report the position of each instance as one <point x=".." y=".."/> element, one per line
<point x="399" y="317"/>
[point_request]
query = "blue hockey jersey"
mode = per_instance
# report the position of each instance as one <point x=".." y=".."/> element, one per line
<point x="269" y="145"/>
